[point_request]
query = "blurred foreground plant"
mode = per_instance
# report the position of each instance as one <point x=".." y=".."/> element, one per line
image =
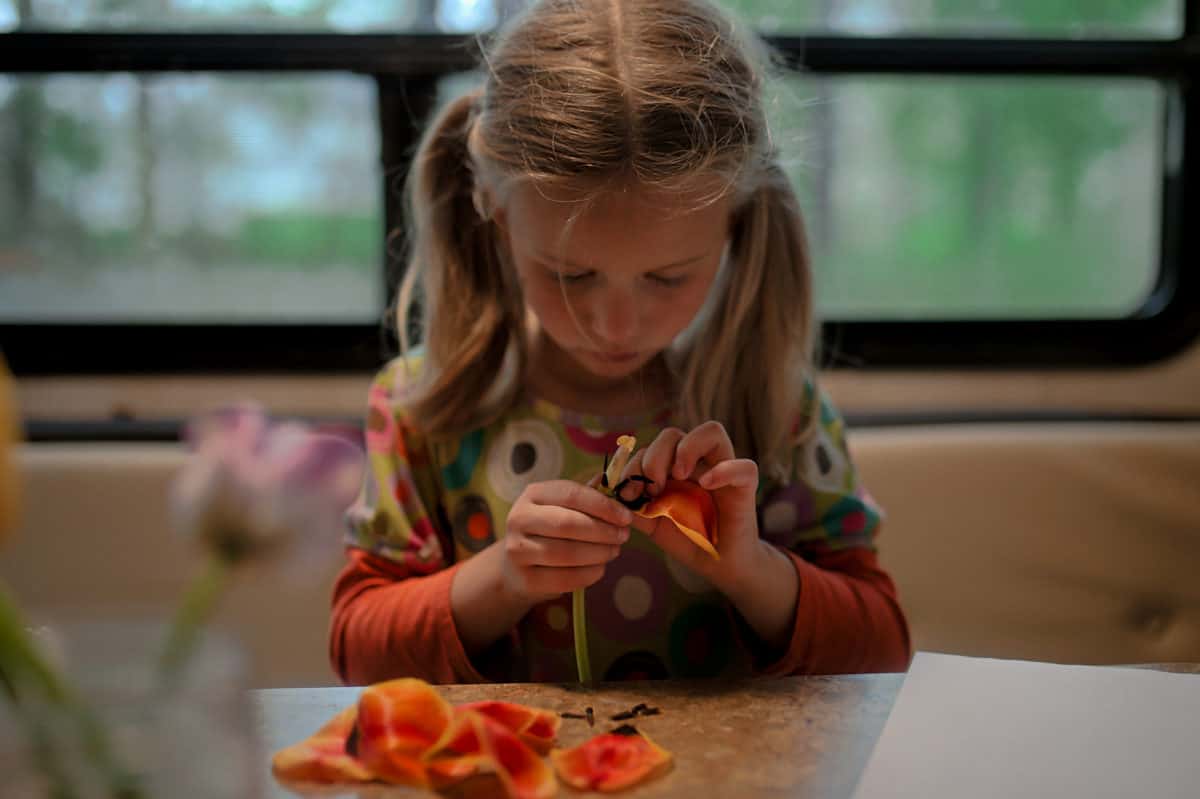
<point x="254" y="489"/>
<point x="251" y="489"/>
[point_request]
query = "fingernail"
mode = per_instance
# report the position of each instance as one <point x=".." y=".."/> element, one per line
<point x="623" y="536"/>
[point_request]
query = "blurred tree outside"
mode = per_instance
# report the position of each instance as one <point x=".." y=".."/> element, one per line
<point x="124" y="196"/>
<point x="942" y="197"/>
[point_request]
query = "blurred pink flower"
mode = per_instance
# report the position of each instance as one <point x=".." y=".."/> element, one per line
<point x="253" y="485"/>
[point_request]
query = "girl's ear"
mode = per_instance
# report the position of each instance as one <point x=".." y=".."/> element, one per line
<point x="484" y="201"/>
<point x="498" y="215"/>
<point x="480" y="202"/>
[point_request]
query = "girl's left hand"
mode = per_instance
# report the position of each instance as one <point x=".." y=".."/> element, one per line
<point x="705" y="456"/>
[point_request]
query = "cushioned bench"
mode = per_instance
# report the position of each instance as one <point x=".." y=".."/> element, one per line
<point x="1073" y="543"/>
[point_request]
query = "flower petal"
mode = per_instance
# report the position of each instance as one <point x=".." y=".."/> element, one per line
<point x="692" y="510"/>
<point x="242" y="425"/>
<point x="538" y="728"/>
<point x="484" y="757"/>
<point x="328" y="463"/>
<point x="398" y="721"/>
<point x="254" y="485"/>
<point x="322" y="757"/>
<point x="611" y="762"/>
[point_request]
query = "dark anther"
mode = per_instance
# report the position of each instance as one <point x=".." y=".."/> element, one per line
<point x="624" y="716"/>
<point x="625" y="729"/>
<point x="638" y="502"/>
<point x="635" y="504"/>
<point x="567" y="715"/>
<point x="591" y="717"/>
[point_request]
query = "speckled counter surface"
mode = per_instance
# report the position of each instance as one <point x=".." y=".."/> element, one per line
<point x="793" y="737"/>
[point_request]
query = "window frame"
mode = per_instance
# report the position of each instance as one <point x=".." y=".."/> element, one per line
<point x="406" y="68"/>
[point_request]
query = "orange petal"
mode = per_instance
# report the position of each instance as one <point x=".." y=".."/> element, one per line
<point x="483" y="752"/>
<point x="323" y="756"/>
<point x="692" y="510"/>
<point x="611" y="762"/>
<point x="536" y="727"/>
<point x="398" y="721"/>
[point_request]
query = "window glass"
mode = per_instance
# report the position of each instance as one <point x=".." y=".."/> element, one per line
<point x="1034" y="18"/>
<point x="249" y="15"/>
<point x="972" y="198"/>
<point x="190" y="198"/>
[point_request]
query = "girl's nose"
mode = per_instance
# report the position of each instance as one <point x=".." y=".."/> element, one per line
<point x="614" y="320"/>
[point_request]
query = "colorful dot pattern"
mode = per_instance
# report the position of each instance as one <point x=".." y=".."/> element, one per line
<point x="426" y="506"/>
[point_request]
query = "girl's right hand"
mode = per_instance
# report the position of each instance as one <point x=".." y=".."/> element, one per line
<point x="559" y="537"/>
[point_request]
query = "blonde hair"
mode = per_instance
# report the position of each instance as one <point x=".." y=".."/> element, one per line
<point x="659" y="93"/>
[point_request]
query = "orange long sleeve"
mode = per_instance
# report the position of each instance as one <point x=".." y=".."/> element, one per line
<point x="388" y="624"/>
<point x="848" y="618"/>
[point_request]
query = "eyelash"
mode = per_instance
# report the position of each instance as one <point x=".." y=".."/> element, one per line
<point x="668" y="282"/>
<point x="576" y="279"/>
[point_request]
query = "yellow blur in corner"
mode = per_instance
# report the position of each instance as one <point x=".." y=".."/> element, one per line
<point x="9" y="492"/>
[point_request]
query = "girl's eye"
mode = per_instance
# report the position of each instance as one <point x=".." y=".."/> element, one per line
<point x="569" y="278"/>
<point x="668" y="281"/>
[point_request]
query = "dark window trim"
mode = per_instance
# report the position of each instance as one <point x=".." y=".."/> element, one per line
<point x="423" y="54"/>
<point x="406" y="67"/>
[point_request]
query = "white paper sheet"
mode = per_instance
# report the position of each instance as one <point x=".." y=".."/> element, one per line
<point x="975" y="728"/>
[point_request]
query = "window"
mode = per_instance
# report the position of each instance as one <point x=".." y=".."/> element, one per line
<point x="191" y="198"/>
<point x="984" y="183"/>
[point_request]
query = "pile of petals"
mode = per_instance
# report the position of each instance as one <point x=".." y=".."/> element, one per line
<point x="403" y="732"/>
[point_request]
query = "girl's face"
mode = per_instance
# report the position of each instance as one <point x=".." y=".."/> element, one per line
<point x="614" y="286"/>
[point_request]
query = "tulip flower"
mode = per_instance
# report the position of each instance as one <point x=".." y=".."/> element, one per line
<point x="254" y="487"/>
<point x="608" y="485"/>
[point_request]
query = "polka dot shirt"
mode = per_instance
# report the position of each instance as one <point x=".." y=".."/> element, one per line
<point x="425" y="506"/>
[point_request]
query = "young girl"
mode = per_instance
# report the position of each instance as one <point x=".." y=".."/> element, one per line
<point x="604" y="243"/>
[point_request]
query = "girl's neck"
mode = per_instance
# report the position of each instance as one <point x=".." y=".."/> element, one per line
<point x="554" y="376"/>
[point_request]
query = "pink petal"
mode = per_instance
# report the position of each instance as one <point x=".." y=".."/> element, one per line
<point x="329" y="464"/>
<point x="239" y="426"/>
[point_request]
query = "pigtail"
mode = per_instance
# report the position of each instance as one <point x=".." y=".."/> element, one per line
<point x="750" y="365"/>
<point x="470" y="321"/>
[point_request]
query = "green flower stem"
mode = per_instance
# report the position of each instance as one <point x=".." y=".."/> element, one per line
<point x="612" y="471"/>
<point x="197" y="606"/>
<point x="34" y="687"/>
<point x="579" y="624"/>
<point x="21" y="664"/>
